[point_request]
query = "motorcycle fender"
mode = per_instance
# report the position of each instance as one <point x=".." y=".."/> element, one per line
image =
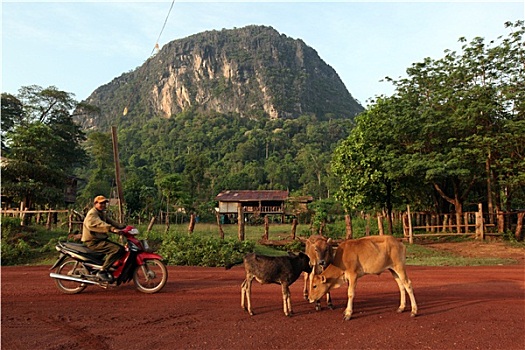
<point x="147" y="256"/>
<point x="59" y="261"/>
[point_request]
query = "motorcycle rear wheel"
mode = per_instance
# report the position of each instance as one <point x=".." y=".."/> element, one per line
<point x="71" y="268"/>
<point x="150" y="277"/>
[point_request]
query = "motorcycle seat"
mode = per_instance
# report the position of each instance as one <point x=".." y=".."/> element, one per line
<point x="81" y="248"/>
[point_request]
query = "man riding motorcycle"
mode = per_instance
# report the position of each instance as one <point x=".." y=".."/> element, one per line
<point x="95" y="229"/>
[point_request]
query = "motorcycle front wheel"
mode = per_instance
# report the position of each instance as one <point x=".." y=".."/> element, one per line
<point x="71" y="268"/>
<point x="151" y="276"/>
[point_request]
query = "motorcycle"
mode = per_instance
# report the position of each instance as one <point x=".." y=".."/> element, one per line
<point x="77" y="266"/>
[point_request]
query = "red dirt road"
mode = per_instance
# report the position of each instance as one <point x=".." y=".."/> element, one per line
<point x="199" y="308"/>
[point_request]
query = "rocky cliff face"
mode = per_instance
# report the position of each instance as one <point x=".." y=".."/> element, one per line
<point x="252" y="71"/>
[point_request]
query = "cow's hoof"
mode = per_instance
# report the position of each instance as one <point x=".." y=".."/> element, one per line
<point x="331" y="306"/>
<point x="400" y="310"/>
<point x="305" y="297"/>
<point x="413" y="314"/>
<point x="317" y="307"/>
<point x="347" y="317"/>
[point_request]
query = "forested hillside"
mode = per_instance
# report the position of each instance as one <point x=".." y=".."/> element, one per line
<point x="191" y="157"/>
<point x="254" y="72"/>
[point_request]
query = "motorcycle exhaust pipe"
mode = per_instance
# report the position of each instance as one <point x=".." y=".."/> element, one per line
<point x="74" y="279"/>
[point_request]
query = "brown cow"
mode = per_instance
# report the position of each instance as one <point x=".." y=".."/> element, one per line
<point x="320" y="251"/>
<point x="283" y="270"/>
<point x="356" y="258"/>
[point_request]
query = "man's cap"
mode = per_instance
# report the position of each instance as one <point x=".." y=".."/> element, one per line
<point x="100" y="199"/>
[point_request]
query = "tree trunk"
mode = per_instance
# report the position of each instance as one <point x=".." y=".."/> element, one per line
<point x="519" y="226"/>
<point x="456" y="202"/>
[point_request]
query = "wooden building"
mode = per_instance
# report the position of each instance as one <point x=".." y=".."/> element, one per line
<point x="260" y="203"/>
<point x="256" y="203"/>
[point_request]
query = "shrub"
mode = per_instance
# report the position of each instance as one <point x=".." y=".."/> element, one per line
<point x="10" y="226"/>
<point x="16" y="252"/>
<point x="193" y="250"/>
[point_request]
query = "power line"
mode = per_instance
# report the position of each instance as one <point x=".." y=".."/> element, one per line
<point x="156" y="47"/>
<point x="163" y="26"/>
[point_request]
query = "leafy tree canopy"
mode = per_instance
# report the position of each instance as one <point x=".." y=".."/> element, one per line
<point x="43" y="145"/>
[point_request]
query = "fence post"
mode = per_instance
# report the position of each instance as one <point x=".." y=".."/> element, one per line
<point x="191" y="226"/>
<point x="367" y="229"/>
<point x="151" y="222"/>
<point x="410" y="233"/>
<point x="266" y="227"/>
<point x="348" y="226"/>
<point x="240" y="222"/>
<point x="294" y="227"/>
<point x="479" y="223"/>
<point x="221" y="231"/>
<point x="501" y="222"/>
<point x="380" y="224"/>
<point x="48" y="223"/>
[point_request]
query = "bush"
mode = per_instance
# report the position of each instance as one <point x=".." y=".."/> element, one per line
<point x="192" y="250"/>
<point x="27" y="244"/>
<point x="10" y="226"/>
<point x="15" y="252"/>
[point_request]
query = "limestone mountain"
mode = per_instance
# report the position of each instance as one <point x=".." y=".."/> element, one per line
<point x="253" y="71"/>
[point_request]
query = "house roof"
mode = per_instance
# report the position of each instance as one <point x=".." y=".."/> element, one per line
<point x="301" y="199"/>
<point x="247" y="195"/>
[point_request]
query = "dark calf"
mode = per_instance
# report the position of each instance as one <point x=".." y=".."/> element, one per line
<point x="283" y="270"/>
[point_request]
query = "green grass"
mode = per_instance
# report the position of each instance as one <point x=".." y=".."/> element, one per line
<point x="423" y="256"/>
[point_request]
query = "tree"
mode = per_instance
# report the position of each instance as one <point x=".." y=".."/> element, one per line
<point x="12" y="115"/>
<point x="172" y="188"/>
<point x="32" y="174"/>
<point x="452" y="124"/>
<point x="367" y="162"/>
<point x="43" y="146"/>
<point x="100" y="174"/>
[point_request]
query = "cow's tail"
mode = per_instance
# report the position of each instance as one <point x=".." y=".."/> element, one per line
<point x="230" y="265"/>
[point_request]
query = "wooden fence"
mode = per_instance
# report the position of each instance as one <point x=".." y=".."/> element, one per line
<point x="49" y="218"/>
<point x="479" y="224"/>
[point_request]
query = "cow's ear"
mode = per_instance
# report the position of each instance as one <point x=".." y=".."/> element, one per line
<point x="323" y="279"/>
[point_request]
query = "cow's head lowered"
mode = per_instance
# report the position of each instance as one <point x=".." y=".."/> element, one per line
<point x="331" y="277"/>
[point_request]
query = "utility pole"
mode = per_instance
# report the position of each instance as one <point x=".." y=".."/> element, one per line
<point x="117" y="173"/>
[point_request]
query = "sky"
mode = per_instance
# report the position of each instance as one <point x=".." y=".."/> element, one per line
<point x="78" y="46"/>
